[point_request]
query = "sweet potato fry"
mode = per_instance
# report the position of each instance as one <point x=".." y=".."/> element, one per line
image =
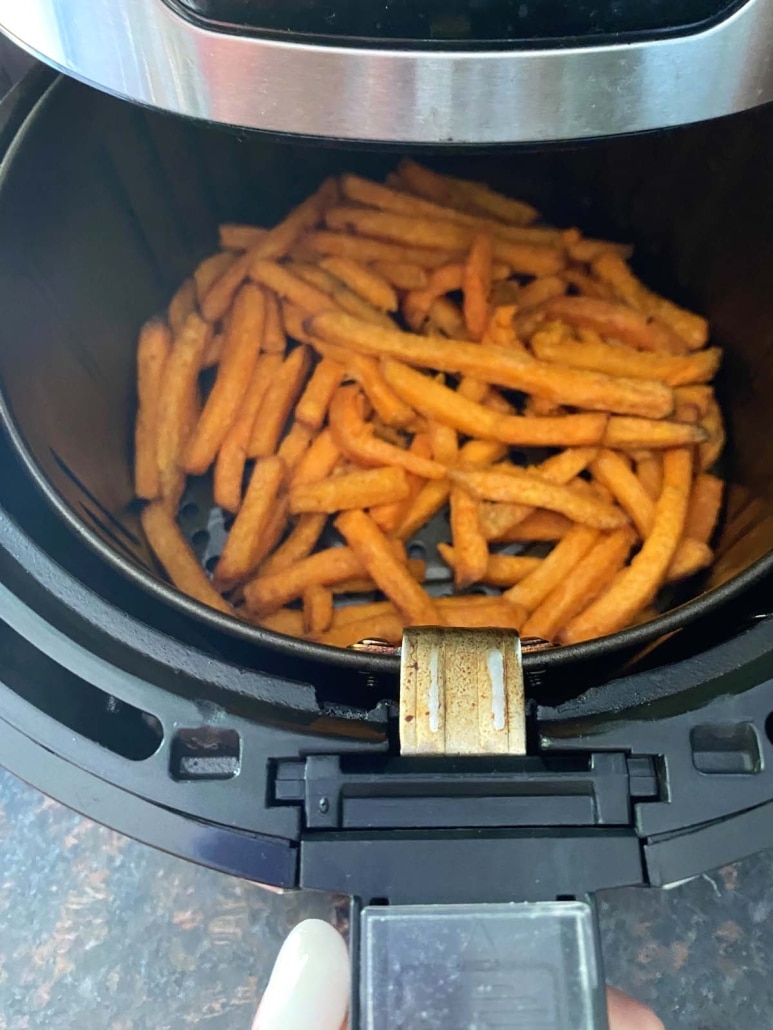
<point x="365" y="250"/>
<point x="592" y="573"/>
<point x="625" y="432"/>
<point x="278" y="403"/>
<point x="540" y="290"/>
<point x="387" y="626"/>
<point x="476" y="453"/>
<point x="500" y="331"/>
<point x="372" y="548"/>
<point x="445" y="319"/>
<point x="240" y="237"/>
<point x="294" y="446"/>
<point x="401" y="275"/>
<point x="312" y="407"/>
<point x="176" y="405"/>
<point x="274" y="338"/>
<point x="232" y="456"/>
<point x="319" y="460"/>
<point x="541" y="526"/>
<point x="470" y="546"/>
<point x="266" y="593"/>
<point x="317" y="609"/>
<point x="649" y="469"/>
<point x="443" y="443"/>
<point x="614" y="473"/>
<point x="179" y="561"/>
<point x="613" y="320"/>
<point x="355" y="438"/>
<point x="703" y="509"/>
<point x="346" y="299"/>
<point x="435" y="401"/>
<point x="299" y="544"/>
<point x="521" y="487"/>
<point x="214" y="349"/>
<point x="364" y="281"/>
<point x="430" y="499"/>
<point x="497" y="365"/>
<point x="365" y="371"/>
<point x="713" y="426"/>
<point x="153" y="350"/>
<point x="209" y="271"/>
<point x="351" y="490"/>
<point x="635" y="586"/>
<point x="477" y="285"/>
<point x="619" y="360"/>
<point x="389" y="516"/>
<point x="242" y="547"/>
<point x="497" y="614"/>
<point x="691" y="557"/>
<point x="282" y="281"/>
<point x="181" y="305"/>
<point x="554" y="569"/>
<point x="286" y="620"/>
<point x="243" y="340"/>
<point x="698" y="396"/>
<point x="502" y="570"/>
<point x="464" y="194"/>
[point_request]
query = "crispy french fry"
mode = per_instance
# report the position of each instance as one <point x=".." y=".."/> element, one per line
<point x="443" y="442"/>
<point x="214" y="350"/>
<point x="266" y="593"/>
<point x="364" y="281"/>
<point x="317" y="609"/>
<point x="464" y="194"/>
<point x="319" y="460"/>
<point x="242" y="547"/>
<point x="521" y="487"/>
<point x="612" y="270"/>
<point x="470" y="546"/>
<point x="503" y="367"/>
<point x="176" y="405"/>
<point x="365" y="371"/>
<point x="585" y="284"/>
<point x="273" y="533"/>
<point x="698" y="396"/>
<point x="401" y="275"/>
<point x="626" y="432"/>
<point x="446" y="319"/>
<point x="592" y="573"/>
<point x="612" y="319"/>
<point x="274" y="339"/>
<point x="243" y="341"/>
<point x="500" y="331"/>
<point x="312" y="407"/>
<point x="355" y="438"/>
<point x="541" y="526"/>
<point x="713" y="426"/>
<point x="495" y="615"/>
<point x="502" y="570"/>
<point x="703" y="509"/>
<point x="286" y="620"/>
<point x="153" y="350"/>
<point x="240" y="237"/>
<point x="649" y="469"/>
<point x="614" y="473"/>
<point x="540" y="290"/>
<point x="389" y="516"/>
<point x="179" y="561"/>
<point x="691" y="557"/>
<point x="361" y="249"/>
<point x="299" y="544"/>
<point x="294" y="446"/>
<point x="554" y="569"/>
<point x="552" y="344"/>
<point x="351" y="490"/>
<point x="285" y="283"/>
<point x="387" y="626"/>
<point x="477" y="285"/>
<point x="232" y="456"/>
<point x="636" y="585"/>
<point x="430" y="499"/>
<point x="209" y="271"/>
<point x="373" y="549"/>
<point x="439" y="402"/>
<point x="481" y="452"/>
<point x="181" y="305"/>
<point x="585" y="251"/>
<point x="346" y="299"/>
<point x="278" y="403"/>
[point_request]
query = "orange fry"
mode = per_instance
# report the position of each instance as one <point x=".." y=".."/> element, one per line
<point x="344" y="298"/>
<point x="691" y="556"/>
<point x="240" y="237"/>
<point x="299" y="544"/>
<point x="636" y="585"/>
<point x="374" y="551"/>
<point x="312" y="407"/>
<point x="401" y="275"/>
<point x="317" y="609"/>
<point x="389" y="516"/>
<point x="703" y="509"/>
<point x="266" y="593"/>
<point x="611" y="319"/>
<point x="365" y="371"/>
<point x="649" y="469"/>
<point x="521" y="487"/>
<point x="430" y="499"/>
<point x="361" y="249"/>
<point x="181" y="305"/>
<point x="242" y="346"/>
<point x="554" y="569"/>
<point x="153" y="350"/>
<point x="209" y="271"/>
<point x="464" y="194"/>
<point x="278" y="403"/>
<point x="286" y="284"/>
<point x="503" y="367"/>
<point x="285" y="620"/>
<point x="470" y="546"/>
<point x="477" y="285"/>
<point x="214" y="350"/>
<point x="274" y="339"/>
<point x="294" y="446"/>
<point x="625" y="432"/>
<point x="179" y="561"/>
<point x="541" y="526"/>
<point x="177" y="402"/>
<point x="319" y="460"/>
<point x="242" y="546"/>
<point x="364" y="281"/>
<point x="502" y="570"/>
<point x="592" y="573"/>
<point x="386" y="626"/>
<point x="360" y="489"/>
<point x="614" y="473"/>
<point x="712" y="424"/>
<point x="439" y="402"/>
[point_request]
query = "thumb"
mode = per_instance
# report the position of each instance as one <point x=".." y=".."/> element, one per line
<point x="309" y="984"/>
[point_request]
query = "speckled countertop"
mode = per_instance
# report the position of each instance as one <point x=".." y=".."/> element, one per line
<point x="102" y="933"/>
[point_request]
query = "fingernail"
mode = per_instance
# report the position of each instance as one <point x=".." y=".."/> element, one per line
<point x="309" y="985"/>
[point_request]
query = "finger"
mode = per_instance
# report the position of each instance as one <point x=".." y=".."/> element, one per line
<point x="309" y="984"/>
<point x="627" y="1014"/>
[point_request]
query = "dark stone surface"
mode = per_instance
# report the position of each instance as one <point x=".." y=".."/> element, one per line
<point x="101" y="933"/>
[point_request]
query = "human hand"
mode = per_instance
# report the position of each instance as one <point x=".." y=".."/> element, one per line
<point x="310" y="982"/>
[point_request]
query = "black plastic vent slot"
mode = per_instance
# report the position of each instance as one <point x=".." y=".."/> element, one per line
<point x="205" y="753"/>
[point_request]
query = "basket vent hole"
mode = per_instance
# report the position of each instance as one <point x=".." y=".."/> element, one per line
<point x="722" y="748"/>
<point x="205" y="753"/>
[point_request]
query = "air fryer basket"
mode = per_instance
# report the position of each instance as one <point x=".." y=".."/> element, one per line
<point x="105" y="208"/>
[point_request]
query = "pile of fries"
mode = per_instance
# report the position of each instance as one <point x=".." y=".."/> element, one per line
<point x="390" y="352"/>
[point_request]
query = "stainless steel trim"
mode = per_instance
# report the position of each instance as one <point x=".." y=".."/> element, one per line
<point x="143" y="51"/>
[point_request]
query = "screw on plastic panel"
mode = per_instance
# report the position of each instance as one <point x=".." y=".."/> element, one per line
<point x="461" y="692"/>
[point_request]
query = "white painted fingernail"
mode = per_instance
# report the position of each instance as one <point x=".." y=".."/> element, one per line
<point x="309" y="985"/>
